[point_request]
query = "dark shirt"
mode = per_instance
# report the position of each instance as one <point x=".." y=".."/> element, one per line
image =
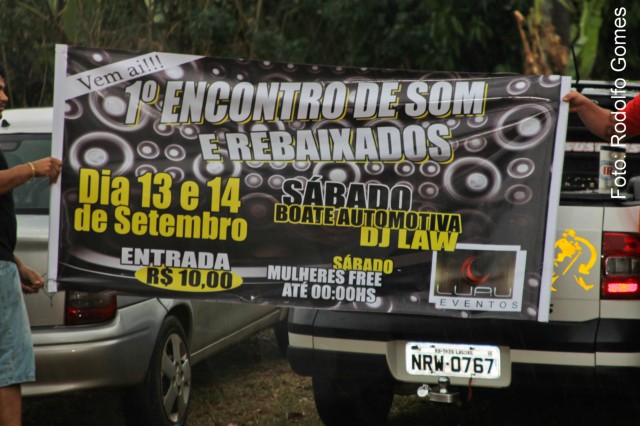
<point x="8" y="224"/>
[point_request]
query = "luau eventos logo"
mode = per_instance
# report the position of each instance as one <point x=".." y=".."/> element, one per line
<point x="478" y="278"/>
<point x="569" y="249"/>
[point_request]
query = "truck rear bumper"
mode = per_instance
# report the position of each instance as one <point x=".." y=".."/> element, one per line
<point x="365" y="345"/>
<point x="374" y="368"/>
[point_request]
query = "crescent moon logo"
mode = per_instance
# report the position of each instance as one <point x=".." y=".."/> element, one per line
<point x="467" y="273"/>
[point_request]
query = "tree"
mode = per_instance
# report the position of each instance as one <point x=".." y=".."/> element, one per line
<point x="477" y="36"/>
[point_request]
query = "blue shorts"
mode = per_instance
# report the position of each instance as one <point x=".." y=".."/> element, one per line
<point x="16" y="347"/>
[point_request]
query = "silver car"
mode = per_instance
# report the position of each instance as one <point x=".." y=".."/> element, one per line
<point x="87" y="340"/>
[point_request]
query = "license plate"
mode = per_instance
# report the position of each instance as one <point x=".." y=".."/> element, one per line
<point x="441" y="359"/>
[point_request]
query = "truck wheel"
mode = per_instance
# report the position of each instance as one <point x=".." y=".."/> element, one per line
<point x="350" y="402"/>
<point x="163" y="398"/>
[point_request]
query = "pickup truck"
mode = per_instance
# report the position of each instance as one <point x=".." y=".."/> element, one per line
<point x="358" y="360"/>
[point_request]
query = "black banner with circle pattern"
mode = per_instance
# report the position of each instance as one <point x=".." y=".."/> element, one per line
<point x="382" y="190"/>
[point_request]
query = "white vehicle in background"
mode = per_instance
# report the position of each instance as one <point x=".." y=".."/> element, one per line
<point x="358" y="361"/>
<point x="86" y="340"/>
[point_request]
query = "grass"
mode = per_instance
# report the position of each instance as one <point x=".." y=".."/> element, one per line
<point x="251" y="384"/>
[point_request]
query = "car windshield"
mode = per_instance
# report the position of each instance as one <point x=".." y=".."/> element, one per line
<point x="33" y="196"/>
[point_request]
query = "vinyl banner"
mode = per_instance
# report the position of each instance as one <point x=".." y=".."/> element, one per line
<point x="392" y="191"/>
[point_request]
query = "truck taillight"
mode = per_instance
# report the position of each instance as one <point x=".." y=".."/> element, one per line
<point x="89" y="307"/>
<point x="620" y="265"/>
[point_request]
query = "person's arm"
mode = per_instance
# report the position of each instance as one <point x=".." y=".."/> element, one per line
<point x="17" y="175"/>
<point x="598" y="120"/>
<point x="31" y="281"/>
<point x="632" y="117"/>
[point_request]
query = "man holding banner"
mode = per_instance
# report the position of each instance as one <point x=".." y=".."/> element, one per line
<point x="602" y="122"/>
<point x="16" y="349"/>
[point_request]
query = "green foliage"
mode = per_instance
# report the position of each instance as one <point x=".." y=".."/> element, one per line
<point x="420" y="34"/>
<point x="628" y="46"/>
<point x="586" y="33"/>
<point x="593" y="33"/>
